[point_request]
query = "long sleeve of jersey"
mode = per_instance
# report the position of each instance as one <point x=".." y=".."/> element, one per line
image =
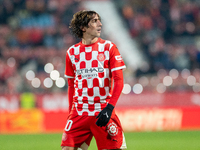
<point x="118" y="86"/>
<point x="70" y="92"/>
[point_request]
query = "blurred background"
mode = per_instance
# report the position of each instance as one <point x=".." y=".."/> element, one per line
<point x="158" y="40"/>
<point x="34" y="37"/>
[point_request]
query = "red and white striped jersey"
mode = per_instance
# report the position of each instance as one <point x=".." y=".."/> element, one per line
<point x="91" y="67"/>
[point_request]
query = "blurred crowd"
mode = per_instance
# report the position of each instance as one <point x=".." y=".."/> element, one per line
<point x="167" y="32"/>
<point x="32" y="34"/>
<point x="35" y="32"/>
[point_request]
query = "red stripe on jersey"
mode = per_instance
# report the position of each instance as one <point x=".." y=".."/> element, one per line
<point x="105" y="65"/>
<point x="82" y="49"/>
<point x="102" y="91"/>
<point x="76" y="84"/>
<point x="79" y="92"/>
<point x="88" y="56"/>
<point x="71" y="51"/>
<point x="106" y="82"/>
<point x="79" y="77"/>
<point x="101" y="41"/>
<point x="82" y="65"/>
<point x="84" y="83"/>
<point x="95" y="47"/>
<point x="90" y="92"/>
<point x="94" y="63"/>
<point x="74" y="66"/>
<point x="95" y="82"/>
<point x="80" y="107"/>
<point x="85" y="113"/>
<point x="85" y="99"/>
<point x="101" y="74"/>
<point x="91" y="107"/>
<point x="107" y="46"/>
<point x="97" y="99"/>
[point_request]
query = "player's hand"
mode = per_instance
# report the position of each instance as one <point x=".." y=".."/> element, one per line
<point x="104" y="116"/>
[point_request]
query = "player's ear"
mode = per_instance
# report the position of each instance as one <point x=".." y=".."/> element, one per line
<point x="83" y="28"/>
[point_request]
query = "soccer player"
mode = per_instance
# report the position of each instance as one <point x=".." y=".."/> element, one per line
<point x="95" y="81"/>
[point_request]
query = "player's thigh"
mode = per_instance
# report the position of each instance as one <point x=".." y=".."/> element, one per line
<point x="77" y="132"/>
<point x="111" y="136"/>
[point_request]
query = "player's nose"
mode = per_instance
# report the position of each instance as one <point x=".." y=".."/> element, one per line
<point x="99" y="23"/>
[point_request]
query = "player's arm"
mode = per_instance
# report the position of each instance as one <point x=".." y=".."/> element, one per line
<point x="69" y="74"/>
<point x="116" y="66"/>
<point x="105" y="115"/>
<point x="118" y="86"/>
<point x="70" y="92"/>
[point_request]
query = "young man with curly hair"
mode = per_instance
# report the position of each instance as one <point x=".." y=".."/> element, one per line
<point x="95" y="81"/>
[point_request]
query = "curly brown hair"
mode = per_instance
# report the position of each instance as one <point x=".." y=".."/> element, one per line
<point x="81" y="20"/>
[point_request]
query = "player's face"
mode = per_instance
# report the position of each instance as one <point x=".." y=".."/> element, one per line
<point x="94" y="27"/>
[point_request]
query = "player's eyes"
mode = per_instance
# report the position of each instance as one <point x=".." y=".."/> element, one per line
<point x="95" y="20"/>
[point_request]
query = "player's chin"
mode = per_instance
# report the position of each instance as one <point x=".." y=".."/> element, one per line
<point x="98" y="34"/>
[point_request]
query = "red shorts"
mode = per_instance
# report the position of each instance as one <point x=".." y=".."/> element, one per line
<point x="81" y="129"/>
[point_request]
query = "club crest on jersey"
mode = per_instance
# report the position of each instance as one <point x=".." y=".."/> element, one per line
<point x="64" y="137"/>
<point x="112" y="129"/>
<point x="101" y="57"/>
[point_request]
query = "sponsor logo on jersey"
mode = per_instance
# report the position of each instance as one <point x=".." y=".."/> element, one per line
<point x="89" y="70"/>
<point x="118" y="57"/>
<point x="89" y="76"/>
<point x="101" y="57"/>
<point x="112" y="129"/>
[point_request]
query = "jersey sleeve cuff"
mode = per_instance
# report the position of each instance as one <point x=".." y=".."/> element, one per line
<point x="66" y="76"/>
<point x="118" y="68"/>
